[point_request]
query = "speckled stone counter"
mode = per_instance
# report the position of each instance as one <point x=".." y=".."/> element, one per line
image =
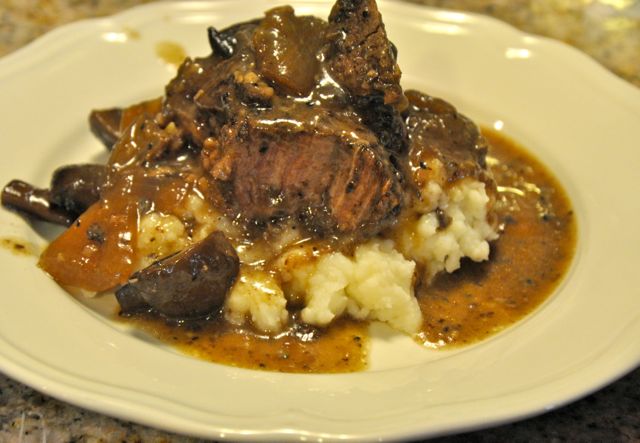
<point x="608" y="30"/>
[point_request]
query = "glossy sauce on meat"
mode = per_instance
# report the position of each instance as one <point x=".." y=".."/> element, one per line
<point x="527" y="263"/>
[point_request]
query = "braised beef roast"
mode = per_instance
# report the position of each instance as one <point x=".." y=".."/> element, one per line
<point x="291" y="118"/>
<point x="287" y="126"/>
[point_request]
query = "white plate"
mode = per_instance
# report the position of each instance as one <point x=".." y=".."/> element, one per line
<point x="582" y="121"/>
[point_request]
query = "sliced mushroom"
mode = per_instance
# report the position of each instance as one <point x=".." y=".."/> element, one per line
<point x="76" y="187"/>
<point x="220" y="44"/>
<point x="33" y="202"/>
<point x="105" y="124"/>
<point x="191" y="283"/>
<point x="73" y="189"/>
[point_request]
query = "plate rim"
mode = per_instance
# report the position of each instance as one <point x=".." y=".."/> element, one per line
<point x="38" y="380"/>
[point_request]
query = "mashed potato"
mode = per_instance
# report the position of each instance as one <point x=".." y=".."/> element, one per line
<point x="466" y="234"/>
<point x="257" y="296"/>
<point x="376" y="283"/>
<point x="160" y="235"/>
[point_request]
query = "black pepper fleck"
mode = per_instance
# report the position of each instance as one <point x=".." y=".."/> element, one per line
<point x="96" y="234"/>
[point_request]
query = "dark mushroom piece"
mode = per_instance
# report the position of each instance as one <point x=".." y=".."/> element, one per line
<point x="108" y="125"/>
<point x="73" y="189"/>
<point x="191" y="283"/>
<point x="76" y="187"/>
<point x="223" y="45"/>
<point x="105" y="125"/>
<point x="33" y="202"/>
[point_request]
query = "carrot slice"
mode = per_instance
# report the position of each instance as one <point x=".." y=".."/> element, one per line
<point x="97" y="252"/>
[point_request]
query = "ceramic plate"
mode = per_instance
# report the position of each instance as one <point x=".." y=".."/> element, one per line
<point x="578" y="118"/>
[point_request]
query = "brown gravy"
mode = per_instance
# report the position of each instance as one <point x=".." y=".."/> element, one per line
<point x="19" y="247"/>
<point x="527" y="262"/>
<point x="171" y="53"/>
<point x="341" y="348"/>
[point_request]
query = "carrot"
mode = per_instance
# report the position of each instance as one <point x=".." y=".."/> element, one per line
<point x="97" y="252"/>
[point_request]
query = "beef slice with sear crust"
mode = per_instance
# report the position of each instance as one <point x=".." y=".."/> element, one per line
<point x="360" y="57"/>
<point x="330" y="184"/>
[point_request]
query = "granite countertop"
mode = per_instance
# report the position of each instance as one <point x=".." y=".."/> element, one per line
<point x="607" y="30"/>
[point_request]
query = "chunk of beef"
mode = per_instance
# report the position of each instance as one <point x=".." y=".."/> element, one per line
<point x="385" y="121"/>
<point x="361" y="58"/>
<point x="281" y="137"/>
<point x="209" y="92"/>
<point x="439" y="132"/>
<point x="330" y="183"/>
<point x="191" y="283"/>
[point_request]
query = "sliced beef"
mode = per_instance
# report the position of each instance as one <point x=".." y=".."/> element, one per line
<point x="330" y="183"/>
